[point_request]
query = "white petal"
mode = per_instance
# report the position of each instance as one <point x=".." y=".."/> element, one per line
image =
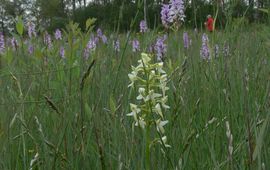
<point x="163" y="123"/>
<point x="140" y="97"/>
<point x="130" y="114"/>
<point x="145" y="58"/>
<point x="142" y="123"/>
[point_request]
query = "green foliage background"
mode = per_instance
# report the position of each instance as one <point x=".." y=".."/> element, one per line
<point x="44" y="110"/>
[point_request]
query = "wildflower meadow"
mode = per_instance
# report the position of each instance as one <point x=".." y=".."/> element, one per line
<point x="169" y="97"/>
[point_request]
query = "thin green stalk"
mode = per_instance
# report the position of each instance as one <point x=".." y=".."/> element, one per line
<point x="22" y="128"/>
<point x="147" y="148"/>
<point x="126" y="44"/>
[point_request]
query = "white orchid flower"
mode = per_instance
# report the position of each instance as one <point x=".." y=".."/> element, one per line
<point x="152" y="95"/>
<point x="141" y="93"/>
<point x="164" y="140"/>
<point x="141" y="123"/>
<point x="160" y="125"/>
<point x="132" y="77"/>
<point x="159" y="68"/>
<point x="145" y="58"/>
<point x="134" y="111"/>
<point x="158" y="110"/>
<point x="164" y="101"/>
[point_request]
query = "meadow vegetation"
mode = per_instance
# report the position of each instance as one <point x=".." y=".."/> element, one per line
<point x="64" y="99"/>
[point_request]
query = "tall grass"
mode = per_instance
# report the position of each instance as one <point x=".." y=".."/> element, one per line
<point x="44" y="110"/>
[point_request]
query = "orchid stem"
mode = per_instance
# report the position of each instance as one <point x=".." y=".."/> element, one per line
<point x="147" y="148"/>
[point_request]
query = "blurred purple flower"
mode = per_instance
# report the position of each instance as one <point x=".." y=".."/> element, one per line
<point x="116" y="45"/>
<point x="172" y="12"/>
<point x="135" y="46"/>
<point x="99" y="32"/>
<point x="226" y="50"/>
<point x="90" y="47"/>
<point x="205" y="38"/>
<point x="14" y="43"/>
<point x="62" y="52"/>
<point x="2" y="42"/>
<point x="186" y="40"/>
<point x="161" y="47"/>
<point x="48" y="40"/>
<point x="204" y="52"/>
<point x="165" y="17"/>
<point x="31" y="30"/>
<point x="101" y="36"/>
<point x="143" y="26"/>
<point x="30" y="49"/>
<point x="104" y="39"/>
<point x="216" y="50"/>
<point x="176" y="11"/>
<point x="58" y="34"/>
